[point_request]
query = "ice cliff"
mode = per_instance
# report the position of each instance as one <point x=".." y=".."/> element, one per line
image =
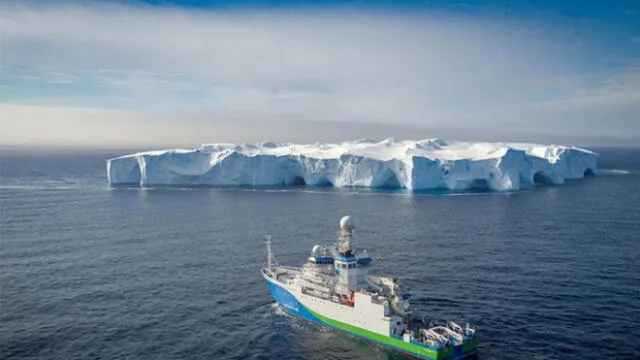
<point x="414" y="165"/>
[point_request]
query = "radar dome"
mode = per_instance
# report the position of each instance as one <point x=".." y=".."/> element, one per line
<point x="347" y="223"/>
<point x="315" y="252"/>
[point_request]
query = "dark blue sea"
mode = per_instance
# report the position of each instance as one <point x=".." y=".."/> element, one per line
<point x="89" y="272"/>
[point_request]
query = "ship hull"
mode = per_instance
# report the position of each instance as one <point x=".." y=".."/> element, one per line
<point x="293" y="306"/>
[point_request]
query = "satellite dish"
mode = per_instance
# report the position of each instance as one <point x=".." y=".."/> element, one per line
<point x="347" y="223"/>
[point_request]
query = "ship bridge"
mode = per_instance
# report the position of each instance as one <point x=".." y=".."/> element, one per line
<point x="346" y="261"/>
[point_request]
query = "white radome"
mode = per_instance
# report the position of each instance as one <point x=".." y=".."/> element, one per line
<point x="315" y="251"/>
<point x="347" y="223"/>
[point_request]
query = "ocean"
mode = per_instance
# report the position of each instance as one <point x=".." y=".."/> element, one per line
<point x="90" y="272"/>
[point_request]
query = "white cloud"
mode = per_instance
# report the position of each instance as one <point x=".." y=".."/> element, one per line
<point x="433" y="71"/>
<point x="79" y="127"/>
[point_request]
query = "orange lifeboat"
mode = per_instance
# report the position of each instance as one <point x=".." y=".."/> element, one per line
<point x="351" y="301"/>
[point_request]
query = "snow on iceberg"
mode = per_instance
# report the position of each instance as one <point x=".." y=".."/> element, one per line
<point x="414" y="165"/>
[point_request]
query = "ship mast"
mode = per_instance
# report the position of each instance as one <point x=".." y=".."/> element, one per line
<point x="271" y="262"/>
<point x="347" y="224"/>
<point x="345" y="261"/>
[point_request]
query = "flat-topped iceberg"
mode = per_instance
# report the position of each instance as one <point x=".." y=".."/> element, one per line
<point x="414" y="165"/>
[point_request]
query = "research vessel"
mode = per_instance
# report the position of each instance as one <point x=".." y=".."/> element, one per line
<point x="334" y="288"/>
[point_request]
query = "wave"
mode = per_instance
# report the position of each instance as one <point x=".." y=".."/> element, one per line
<point x="613" y="172"/>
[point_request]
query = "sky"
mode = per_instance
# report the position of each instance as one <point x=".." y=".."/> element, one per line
<point x="155" y="74"/>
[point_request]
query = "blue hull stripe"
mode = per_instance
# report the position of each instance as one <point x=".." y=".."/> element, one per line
<point x="289" y="303"/>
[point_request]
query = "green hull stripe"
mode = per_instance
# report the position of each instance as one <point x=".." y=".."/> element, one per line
<point x="413" y="349"/>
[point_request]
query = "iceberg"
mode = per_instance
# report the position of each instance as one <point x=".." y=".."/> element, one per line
<point x="430" y="164"/>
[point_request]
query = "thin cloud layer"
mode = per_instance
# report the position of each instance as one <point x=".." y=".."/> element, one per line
<point x="200" y="70"/>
